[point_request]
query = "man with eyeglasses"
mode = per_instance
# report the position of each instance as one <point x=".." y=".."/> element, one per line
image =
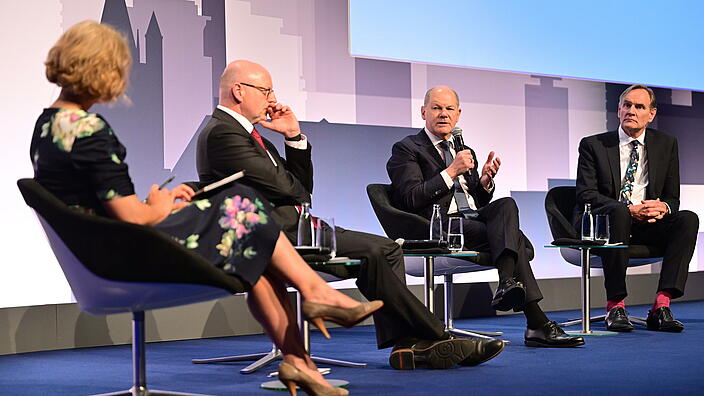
<point x="230" y="143"/>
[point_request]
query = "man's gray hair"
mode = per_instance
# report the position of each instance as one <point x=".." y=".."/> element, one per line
<point x="653" y="103"/>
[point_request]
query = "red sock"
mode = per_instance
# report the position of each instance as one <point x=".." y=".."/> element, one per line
<point x="662" y="299"/>
<point x="611" y="304"/>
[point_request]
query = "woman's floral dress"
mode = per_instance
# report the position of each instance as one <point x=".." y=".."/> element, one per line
<point x="78" y="158"/>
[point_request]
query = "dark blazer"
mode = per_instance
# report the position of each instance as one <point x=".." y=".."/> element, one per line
<point x="225" y="147"/>
<point x="599" y="175"/>
<point x="414" y="169"/>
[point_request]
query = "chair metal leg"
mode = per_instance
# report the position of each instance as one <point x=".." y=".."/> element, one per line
<point x="449" y="315"/>
<point x="262" y="359"/>
<point x="139" y="365"/>
<point x="305" y="333"/>
<point x="577" y="321"/>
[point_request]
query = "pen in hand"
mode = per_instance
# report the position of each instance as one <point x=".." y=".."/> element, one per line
<point x="169" y="180"/>
<point x="162" y="185"/>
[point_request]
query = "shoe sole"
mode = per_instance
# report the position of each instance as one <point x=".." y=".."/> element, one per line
<point x="532" y="343"/>
<point x="510" y="300"/>
<point x="671" y="329"/>
<point x="441" y="355"/>
<point x="620" y="329"/>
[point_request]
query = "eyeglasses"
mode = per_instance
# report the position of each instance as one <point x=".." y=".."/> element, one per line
<point x="265" y="91"/>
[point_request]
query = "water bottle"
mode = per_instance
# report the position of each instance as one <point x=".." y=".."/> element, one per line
<point x="587" y="223"/>
<point x="305" y="226"/>
<point x="436" y="224"/>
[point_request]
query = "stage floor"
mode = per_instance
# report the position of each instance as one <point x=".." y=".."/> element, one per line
<point x="641" y="362"/>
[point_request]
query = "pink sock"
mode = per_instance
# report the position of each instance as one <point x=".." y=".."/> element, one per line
<point x="611" y="304"/>
<point x="662" y="299"/>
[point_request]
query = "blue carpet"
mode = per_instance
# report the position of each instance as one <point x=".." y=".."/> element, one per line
<point x="637" y="363"/>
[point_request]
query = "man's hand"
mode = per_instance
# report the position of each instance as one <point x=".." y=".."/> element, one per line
<point x="648" y="211"/>
<point x="464" y="161"/>
<point x="282" y="121"/>
<point x="489" y="170"/>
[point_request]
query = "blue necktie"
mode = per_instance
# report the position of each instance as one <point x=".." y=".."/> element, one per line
<point x="461" y="199"/>
<point x="629" y="178"/>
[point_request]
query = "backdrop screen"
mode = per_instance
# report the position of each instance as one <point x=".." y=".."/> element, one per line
<point x="647" y="42"/>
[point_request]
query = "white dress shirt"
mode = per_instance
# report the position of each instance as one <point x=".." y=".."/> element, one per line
<point x="640" y="179"/>
<point x="448" y="180"/>
<point x="299" y="144"/>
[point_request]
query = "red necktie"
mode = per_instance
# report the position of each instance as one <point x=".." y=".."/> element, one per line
<point x="258" y="138"/>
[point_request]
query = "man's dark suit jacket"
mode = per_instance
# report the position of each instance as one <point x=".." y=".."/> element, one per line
<point x="414" y="169"/>
<point x="599" y="175"/>
<point x="232" y="149"/>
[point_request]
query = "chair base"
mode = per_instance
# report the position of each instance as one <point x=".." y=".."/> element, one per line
<point x="601" y="318"/>
<point x="475" y="333"/>
<point x="264" y="359"/>
<point x="148" y="392"/>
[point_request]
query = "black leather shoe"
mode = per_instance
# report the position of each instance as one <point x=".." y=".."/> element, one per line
<point x="617" y="320"/>
<point x="485" y="349"/>
<point x="509" y="295"/>
<point x="550" y="335"/>
<point x="662" y="320"/>
<point x="442" y="354"/>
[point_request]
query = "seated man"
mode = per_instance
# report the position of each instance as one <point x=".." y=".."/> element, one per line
<point x="632" y="175"/>
<point x="229" y="143"/>
<point x="425" y="170"/>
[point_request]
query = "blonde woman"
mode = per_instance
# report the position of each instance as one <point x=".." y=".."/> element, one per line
<point x="78" y="157"/>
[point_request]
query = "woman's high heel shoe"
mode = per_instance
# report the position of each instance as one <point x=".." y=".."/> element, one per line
<point x="347" y="317"/>
<point x="291" y="376"/>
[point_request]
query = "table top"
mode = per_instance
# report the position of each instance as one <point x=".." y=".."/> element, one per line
<point x="463" y="253"/>
<point x="337" y="261"/>
<point x="607" y="246"/>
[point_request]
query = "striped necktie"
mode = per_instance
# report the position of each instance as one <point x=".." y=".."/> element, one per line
<point x="629" y="178"/>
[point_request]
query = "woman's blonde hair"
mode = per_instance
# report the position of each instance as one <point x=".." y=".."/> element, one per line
<point x="90" y="60"/>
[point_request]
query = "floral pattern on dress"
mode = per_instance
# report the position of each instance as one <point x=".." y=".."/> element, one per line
<point x="191" y="242"/>
<point x="202" y="204"/>
<point x="111" y="194"/>
<point x="67" y="125"/>
<point x="240" y="217"/>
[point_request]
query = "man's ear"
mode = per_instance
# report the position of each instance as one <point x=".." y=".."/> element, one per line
<point x="237" y="93"/>
<point x="422" y="112"/>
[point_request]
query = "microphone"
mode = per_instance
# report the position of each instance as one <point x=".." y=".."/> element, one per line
<point x="457" y="139"/>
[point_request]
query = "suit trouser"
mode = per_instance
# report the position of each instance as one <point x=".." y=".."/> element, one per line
<point x="675" y="233"/>
<point x="382" y="277"/>
<point x="496" y="230"/>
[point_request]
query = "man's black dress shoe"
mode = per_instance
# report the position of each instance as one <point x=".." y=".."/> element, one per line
<point x="662" y="320"/>
<point x="443" y="354"/>
<point x="509" y="295"/>
<point x="486" y="349"/>
<point x="617" y="320"/>
<point x="550" y="335"/>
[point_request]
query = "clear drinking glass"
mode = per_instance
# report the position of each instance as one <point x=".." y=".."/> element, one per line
<point x="325" y="238"/>
<point x="455" y="234"/>
<point x="601" y="229"/>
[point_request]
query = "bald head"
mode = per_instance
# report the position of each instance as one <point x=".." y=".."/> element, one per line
<point x="440" y="89"/>
<point x="241" y="71"/>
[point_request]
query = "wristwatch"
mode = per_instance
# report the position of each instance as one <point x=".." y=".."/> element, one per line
<point x="296" y="138"/>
